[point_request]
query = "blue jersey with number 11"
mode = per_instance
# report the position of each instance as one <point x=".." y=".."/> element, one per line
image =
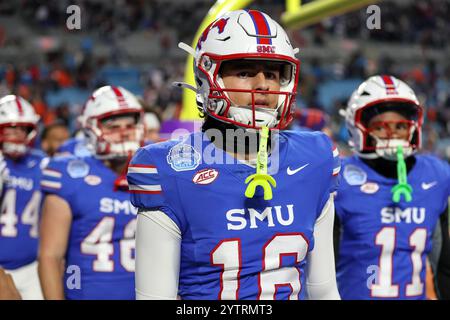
<point x="384" y="245"/>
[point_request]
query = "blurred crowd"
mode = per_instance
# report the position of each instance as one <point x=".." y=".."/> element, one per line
<point x="423" y="23"/>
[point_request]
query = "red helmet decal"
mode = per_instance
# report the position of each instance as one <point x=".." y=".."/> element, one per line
<point x="261" y="27"/>
<point x="19" y="106"/>
<point x="220" y="24"/>
<point x="390" y="87"/>
<point x="120" y="97"/>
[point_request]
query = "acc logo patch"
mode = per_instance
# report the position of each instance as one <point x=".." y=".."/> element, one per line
<point x="370" y="187"/>
<point x="92" y="180"/>
<point x="354" y="175"/>
<point x="183" y="157"/>
<point x="205" y="176"/>
<point x="77" y="169"/>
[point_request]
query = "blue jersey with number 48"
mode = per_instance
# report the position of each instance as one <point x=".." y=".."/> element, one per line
<point x="384" y="244"/>
<point x="100" y="250"/>
<point x="234" y="247"/>
<point x="20" y="210"/>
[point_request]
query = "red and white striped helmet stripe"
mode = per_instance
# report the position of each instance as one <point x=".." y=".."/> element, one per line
<point x="389" y="83"/>
<point x="120" y="97"/>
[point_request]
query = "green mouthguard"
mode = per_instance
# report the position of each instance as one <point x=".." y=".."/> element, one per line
<point x="261" y="178"/>
<point x="402" y="187"/>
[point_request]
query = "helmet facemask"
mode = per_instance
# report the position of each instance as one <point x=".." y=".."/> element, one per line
<point x="382" y="138"/>
<point x="258" y="112"/>
<point x="14" y="146"/>
<point x="108" y="142"/>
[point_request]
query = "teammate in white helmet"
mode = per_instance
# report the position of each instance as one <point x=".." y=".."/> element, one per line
<point x="209" y="227"/>
<point x="21" y="194"/>
<point x="390" y="198"/>
<point x="88" y="223"/>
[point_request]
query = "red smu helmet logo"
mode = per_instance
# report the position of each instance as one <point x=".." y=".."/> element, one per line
<point x="220" y="24"/>
<point x="265" y="49"/>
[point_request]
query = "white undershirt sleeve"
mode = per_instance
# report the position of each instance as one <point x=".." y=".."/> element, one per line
<point x="158" y="242"/>
<point x="321" y="272"/>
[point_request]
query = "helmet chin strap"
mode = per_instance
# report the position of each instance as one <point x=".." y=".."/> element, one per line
<point x="395" y="150"/>
<point x="14" y="149"/>
<point x="388" y="148"/>
<point x="117" y="150"/>
<point x="263" y="116"/>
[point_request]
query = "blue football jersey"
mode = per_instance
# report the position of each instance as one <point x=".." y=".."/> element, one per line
<point x="384" y="244"/>
<point x="20" y="209"/>
<point x="101" y="241"/>
<point x="234" y="247"/>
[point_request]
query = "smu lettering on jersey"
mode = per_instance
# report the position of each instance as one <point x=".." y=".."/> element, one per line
<point x="384" y="245"/>
<point x="234" y="247"/>
<point x="20" y="210"/>
<point x="101" y="241"/>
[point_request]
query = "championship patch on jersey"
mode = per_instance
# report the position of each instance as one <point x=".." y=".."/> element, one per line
<point x="183" y="157"/>
<point x="77" y="169"/>
<point x="354" y="175"/>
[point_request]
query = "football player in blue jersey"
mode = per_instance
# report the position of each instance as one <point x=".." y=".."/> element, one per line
<point x="390" y="199"/>
<point x="88" y="223"/>
<point x="21" y="195"/>
<point x="202" y="232"/>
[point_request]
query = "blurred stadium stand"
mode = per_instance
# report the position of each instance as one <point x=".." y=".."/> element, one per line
<point x="134" y="44"/>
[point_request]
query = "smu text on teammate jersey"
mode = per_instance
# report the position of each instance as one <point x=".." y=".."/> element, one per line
<point x="384" y="245"/>
<point x="270" y="238"/>
<point x="20" y="208"/>
<point x="101" y="241"/>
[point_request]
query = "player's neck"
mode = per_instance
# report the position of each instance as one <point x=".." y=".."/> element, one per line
<point x="388" y="168"/>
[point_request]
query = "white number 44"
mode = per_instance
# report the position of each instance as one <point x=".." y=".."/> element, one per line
<point x="9" y="217"/>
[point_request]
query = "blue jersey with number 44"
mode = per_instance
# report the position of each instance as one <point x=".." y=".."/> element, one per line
<point x="100" y="250"/>
<point x="234" y="247"/>
<point x="20" y="210"/>
<point x="384" y="244"/>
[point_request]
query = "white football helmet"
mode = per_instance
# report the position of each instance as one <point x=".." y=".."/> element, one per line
<point x="244" y="34"/>
<point x="17" y="112"/>
<point x="374" y="96"/>
<point x="107" y="102"/>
